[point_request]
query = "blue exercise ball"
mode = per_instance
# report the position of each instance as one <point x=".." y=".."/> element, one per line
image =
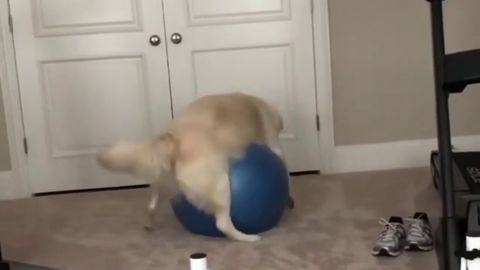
<point x="259" y="189"/>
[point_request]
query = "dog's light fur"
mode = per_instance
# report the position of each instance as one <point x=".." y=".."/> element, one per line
<point x="196" y="150"/>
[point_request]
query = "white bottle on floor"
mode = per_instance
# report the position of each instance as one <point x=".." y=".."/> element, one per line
<point x="198" y="261"/>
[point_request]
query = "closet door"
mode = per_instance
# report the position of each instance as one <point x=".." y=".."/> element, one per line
<point x="263" y="48"/>
<point x="89" y="74"/>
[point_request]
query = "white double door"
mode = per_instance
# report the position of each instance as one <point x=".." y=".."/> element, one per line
<point x="89" y="75"/>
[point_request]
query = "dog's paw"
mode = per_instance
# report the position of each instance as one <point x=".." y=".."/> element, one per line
<point x="290" y="203"/>
<point x="148" y="227"/>
<point x="249" y="238"/>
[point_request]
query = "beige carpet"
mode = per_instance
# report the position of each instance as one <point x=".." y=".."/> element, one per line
<point x="332" y="227"/>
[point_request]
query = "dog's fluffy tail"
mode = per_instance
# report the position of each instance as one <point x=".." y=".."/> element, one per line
<point x="148" y="159"/>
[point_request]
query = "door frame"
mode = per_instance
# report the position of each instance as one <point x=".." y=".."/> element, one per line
<point x="323" y="83"/>
<point x="18" y="184"/>
<point x="15" y="184"/>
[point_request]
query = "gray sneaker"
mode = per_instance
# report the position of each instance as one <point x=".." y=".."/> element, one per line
<point x="391" y="239"/>
<point x="419" y="233"/>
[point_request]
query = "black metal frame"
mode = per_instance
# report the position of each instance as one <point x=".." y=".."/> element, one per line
<point x="448" y="228"/>
<point x="3" y="265"/>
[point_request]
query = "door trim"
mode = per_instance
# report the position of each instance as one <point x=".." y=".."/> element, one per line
<point x="19" y="186"/>
<point x="324" y="89"/>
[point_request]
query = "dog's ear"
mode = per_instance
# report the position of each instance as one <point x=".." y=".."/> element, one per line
<point x="150" y="159"/>
<point x="168" y="142"/>
<point x="117" y="157"/>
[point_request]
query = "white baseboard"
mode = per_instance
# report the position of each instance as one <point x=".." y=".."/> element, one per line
<point x="392" y="155"/>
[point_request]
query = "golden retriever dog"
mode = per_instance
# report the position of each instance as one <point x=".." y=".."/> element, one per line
<point x="196" y="150"/>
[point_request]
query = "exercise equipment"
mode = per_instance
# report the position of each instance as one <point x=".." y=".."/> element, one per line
<point x="466" y="188"/>
<point x="9" y="265"/>
<point x="260" y="193"/>
<point x="455" y="174"/>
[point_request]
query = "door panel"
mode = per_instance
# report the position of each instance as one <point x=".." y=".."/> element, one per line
<point x="60" y="17"/>
<point x="228" y="12"/>
<point x="88" y="77"/>
<point x="257" y="65"/>
<point x="78" y="97"/>
<point x="264" y="48"/>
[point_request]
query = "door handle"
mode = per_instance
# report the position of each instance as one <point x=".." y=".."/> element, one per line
<point x="154" y="40"/>
<point x="176" y="38"/>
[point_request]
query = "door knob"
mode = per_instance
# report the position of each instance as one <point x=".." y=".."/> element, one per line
<point x="176" y="38"/>
<point x="155" y="40"/>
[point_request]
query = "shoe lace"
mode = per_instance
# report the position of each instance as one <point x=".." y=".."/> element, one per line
<point x="416" y="226"/>
<point x="390" y="231"/>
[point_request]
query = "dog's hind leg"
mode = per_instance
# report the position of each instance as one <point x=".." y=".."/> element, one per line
<point x="222" y="200"/>
<point x="152" y="205"/>
<point x="206" y="184"/>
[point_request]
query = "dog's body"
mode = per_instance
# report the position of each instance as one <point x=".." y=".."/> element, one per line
<point x="196" y="151"/>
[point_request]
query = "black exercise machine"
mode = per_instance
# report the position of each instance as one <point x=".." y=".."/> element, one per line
<point x="457" y="175"/>
<point x="9" y="265"/>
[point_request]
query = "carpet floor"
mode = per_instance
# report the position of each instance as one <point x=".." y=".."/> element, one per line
<point x="333" y="226"/>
